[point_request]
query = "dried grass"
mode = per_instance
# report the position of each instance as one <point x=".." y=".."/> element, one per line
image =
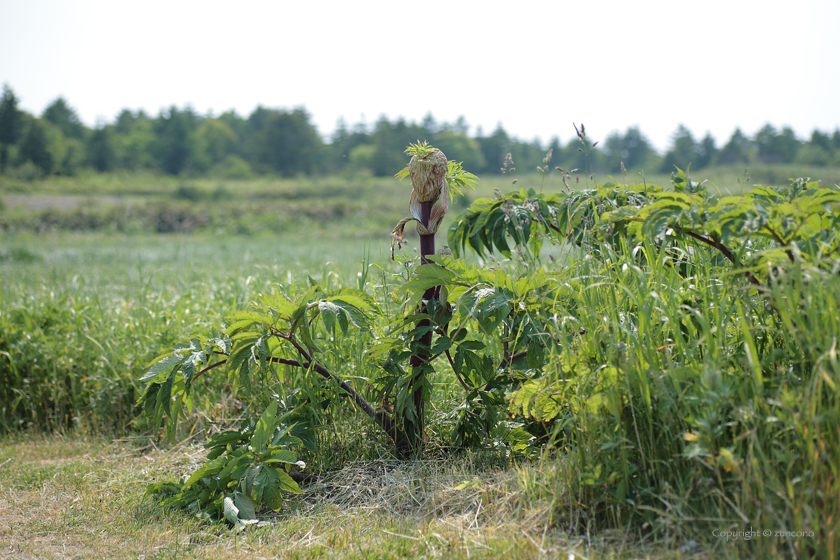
<point x="79" y="499"/>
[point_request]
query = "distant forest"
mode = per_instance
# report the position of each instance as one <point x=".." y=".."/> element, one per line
<point x="179" y="141"/>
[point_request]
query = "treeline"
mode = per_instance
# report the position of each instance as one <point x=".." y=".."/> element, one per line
<point x="179" y="141"/>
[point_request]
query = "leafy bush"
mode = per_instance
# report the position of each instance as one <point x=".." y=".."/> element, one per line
<point x="244" y="470"/>
<point x="681" y="360"/>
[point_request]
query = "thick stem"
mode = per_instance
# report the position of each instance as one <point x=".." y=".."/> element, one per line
<point x="427" y="242"/>
<point x="415" y="430"/>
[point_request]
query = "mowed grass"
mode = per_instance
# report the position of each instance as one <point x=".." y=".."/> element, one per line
<point x="70" y="497"/>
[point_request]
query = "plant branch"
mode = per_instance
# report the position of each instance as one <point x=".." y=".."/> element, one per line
<point x="381" y="419"/>
<point x="723" y="249"/>
<point x="512" y="358"/>
<point x="458" y="375"/>
<point x="548" y="224"/>
<point x="506" y="361"/>
<point x="780" y="242"/>
<point x="208" y="368"/>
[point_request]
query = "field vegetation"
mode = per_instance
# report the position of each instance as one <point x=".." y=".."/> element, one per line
<point x="623" y="389"/>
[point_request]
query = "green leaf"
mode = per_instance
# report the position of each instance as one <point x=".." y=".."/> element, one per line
<point x="656" y="225"/>
<point x="522" y="398"/>
<point x="242" y="352"/>
<point x="209" y="468"/>
<point x="162" y="367"/>
<point x="250" y="316"/>
<point x="498" y="237"/>
<point x="273" y="497"/>
<point x="236" y="460"/>
<point x="277" y="455"/>
<point x="384" y="345"/>
<point x="265" y="484"/>
<point x="225" y="438"/>
<point x="222" y="343"/>
<point x="245" y="506"/>
<point x="348" y="310"/>
<point x="265" y="427"/>
<point x="329" y="312"/>
<point x="164" y="399"/>
<point x="535" y="358"/>
<point x="472" y="344"/>
<point x="491" y="313"/>
<point x="306" y="337"/>
<point x="285" y="482"/>
<point x="442" y="344"/>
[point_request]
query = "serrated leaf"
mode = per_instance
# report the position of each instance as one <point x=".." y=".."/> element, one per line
<point x="265" y="478"/>
<point x="356" y="315"/>
<point x="245" y="506"/>
<point x="265" y="427"/>
<point x="356" y="298"/>
<point x="285" y="482"/>
<point x="238" y="326"/>
<point x="329" y="313"/>
<point x="280" y="456"/>
<point x="162" y="367"/>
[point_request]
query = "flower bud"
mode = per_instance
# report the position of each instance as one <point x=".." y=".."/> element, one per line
<point x="428" y="175"/>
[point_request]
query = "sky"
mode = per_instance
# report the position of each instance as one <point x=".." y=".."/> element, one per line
<point x="536" y="67"/>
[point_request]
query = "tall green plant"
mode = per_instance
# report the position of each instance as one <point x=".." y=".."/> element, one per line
<point x="705" y="379"/>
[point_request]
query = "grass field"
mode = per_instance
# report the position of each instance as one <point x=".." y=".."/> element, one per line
<point x="87" y="303"/>
<point x="83" y="498"/>
<point x="360" y="207"/>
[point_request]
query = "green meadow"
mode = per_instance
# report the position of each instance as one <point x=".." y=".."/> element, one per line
<point x="676" y="405"/>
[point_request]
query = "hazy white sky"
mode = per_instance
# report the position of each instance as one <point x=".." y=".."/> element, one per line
<point x="534" y="66"/>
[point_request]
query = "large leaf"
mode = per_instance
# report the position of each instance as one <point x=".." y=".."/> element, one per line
<point x="492" y="311"/>
<point x="280" y="456"/>
<point x="329" y="313"/>
<point x="265" y="427"/>
<point x="285" y="482"/>
<point x="245" y="506"/>
<point x="267" y="487"/>
<point x="159" y="370"/>
<point x="355" y="314"/>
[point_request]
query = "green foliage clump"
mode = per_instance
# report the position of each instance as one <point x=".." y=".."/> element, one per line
<point x="245" y="471"/>
<point x="682" y="353"/>
<point x="706" y="324"/>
